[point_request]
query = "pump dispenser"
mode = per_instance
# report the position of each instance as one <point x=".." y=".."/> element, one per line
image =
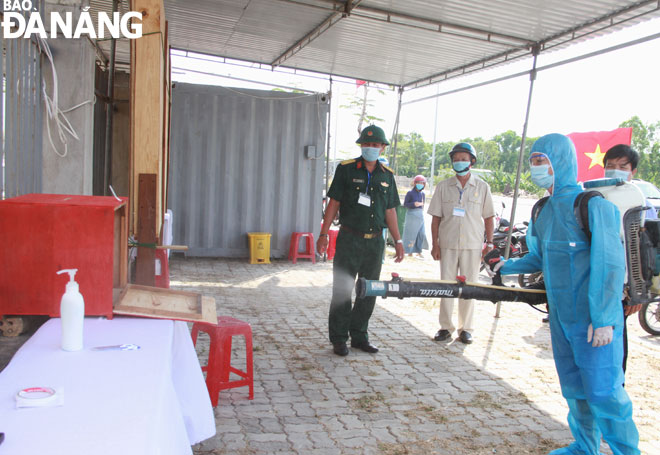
<point x="72" y="313"/>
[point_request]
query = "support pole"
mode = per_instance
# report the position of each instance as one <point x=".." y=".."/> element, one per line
<point x="512" y="218"/>
<point x="435" y="130"/>
<point x="395" y="132"/>
<point x="110" y="108"/>
<point x="327" y="148"/>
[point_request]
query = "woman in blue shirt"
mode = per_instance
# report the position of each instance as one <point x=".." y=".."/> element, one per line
<point x="414" y="235"/>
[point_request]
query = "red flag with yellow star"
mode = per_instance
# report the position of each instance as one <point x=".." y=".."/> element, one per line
<point x="591" y="148"/>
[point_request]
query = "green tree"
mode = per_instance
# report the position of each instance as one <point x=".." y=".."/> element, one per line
<point x="646" y="140"/>
<point x="360" y="105"/>
<point x="413" y="155"/>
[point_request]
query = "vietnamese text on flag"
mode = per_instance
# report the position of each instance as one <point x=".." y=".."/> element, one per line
<point x="591" y="148"/>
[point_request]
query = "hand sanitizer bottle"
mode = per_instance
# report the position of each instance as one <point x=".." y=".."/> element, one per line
<point x="72" y="312"/>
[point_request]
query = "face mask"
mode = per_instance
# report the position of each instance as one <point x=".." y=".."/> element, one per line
<point x="541" y="177"/>
<point x="461" y="167"/>
<point x="617" y="174"/>
<point x="419" y="186"/>
<point x="370" y="153"/>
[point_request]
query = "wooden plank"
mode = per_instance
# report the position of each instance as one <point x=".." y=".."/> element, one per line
<point x="146" y="234"/>
<point x="146" y="301"/>
<point x="123" y="245"/>
<point x="166" y="121"/>
<point x="120" y="248"/>
<point x="147" y="103"/>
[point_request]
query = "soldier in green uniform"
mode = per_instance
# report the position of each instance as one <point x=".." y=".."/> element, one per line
<point x="364" y="192"/>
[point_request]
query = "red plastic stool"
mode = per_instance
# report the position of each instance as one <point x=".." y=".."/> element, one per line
<point x="308" y="253"/>
<point x="219" y="366"/>
<point x="332" y="243"/>
<point x="162" y="280"/>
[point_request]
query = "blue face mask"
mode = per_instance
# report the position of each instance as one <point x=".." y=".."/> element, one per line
<point x="370" y="153"/>
<point x="541" y="177"/>
<point x="419" y="186"/>
<point x="617" y="174"/>
<point x="461" y="167"/>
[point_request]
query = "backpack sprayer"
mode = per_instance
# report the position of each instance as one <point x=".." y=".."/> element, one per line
<point x="641" y="239"/>
<point x="401" y="289"/>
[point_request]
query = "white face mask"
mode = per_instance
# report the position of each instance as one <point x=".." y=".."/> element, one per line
<point x="461" y="167"/>
<point x="370" y="153"/>
<point x="617" y="174"/>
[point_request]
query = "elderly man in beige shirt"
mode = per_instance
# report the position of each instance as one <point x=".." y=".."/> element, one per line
<point x="462" y="208"/>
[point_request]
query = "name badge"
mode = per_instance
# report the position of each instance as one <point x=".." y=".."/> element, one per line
<point x="364" y="199"/>
<point x="459" y="211"/>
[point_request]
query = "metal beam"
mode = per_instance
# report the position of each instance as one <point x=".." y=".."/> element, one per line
<point x="605" y="18"/>
<point x="436" y="26"/>
<point x="524" y="51"/>
<point x="316" y="32"/>
<point x="541" y="68"/>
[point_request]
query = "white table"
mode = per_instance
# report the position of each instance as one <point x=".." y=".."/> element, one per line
<point x="150" y="401"/>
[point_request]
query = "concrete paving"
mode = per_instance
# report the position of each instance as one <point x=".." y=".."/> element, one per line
<point x="497" y="395"/>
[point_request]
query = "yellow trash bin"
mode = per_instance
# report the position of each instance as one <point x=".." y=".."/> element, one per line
<point x="259" y="247"/>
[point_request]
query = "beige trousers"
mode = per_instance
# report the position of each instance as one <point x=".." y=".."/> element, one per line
<point x="453" y="263"/>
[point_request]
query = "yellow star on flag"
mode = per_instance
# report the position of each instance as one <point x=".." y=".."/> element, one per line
<point x="596" y="157"/>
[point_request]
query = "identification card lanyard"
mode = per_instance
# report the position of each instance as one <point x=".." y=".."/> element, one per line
<point x="364" y="198"/>
<point x="459" y="211"/>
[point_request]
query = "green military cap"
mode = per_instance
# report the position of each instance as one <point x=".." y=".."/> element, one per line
<point x="372" y="133"/>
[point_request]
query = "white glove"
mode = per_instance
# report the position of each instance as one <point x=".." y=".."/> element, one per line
<point x="601" y="336"/>
<point x="496" y="267"/>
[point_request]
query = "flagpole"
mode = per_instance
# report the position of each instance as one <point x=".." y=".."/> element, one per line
<point x="512" y="218"/>
<point x="395" y="133"/>
<point x="435" y="129"/>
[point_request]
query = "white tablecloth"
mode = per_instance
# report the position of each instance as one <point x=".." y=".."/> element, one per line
<point x="149" y="401"/>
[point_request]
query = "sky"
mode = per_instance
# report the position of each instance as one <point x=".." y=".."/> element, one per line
<point x="594" y="94"/>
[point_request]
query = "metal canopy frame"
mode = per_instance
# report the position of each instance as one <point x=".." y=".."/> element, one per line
<point x="403" y="43"/>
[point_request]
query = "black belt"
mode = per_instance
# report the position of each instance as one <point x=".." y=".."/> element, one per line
<point x="358" y="233"/>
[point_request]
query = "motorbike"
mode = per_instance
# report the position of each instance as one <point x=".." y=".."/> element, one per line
<point x="649" y="316"/>
<point x="335" y="220"/>
<point x="518" y="243"/>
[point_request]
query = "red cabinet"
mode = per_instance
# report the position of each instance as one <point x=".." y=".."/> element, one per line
<point x="44" y="233"/>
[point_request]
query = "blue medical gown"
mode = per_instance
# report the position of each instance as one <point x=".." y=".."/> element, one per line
<point x="584" y="282"/>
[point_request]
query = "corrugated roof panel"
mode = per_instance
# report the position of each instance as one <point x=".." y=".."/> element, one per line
<point x="391" y="41"/>
<point x="399" y="53"/>
<point x="259" y="30"/>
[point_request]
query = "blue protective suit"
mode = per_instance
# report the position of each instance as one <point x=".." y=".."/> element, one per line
<point x="584" y="282"/>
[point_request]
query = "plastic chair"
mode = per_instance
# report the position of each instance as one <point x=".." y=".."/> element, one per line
<point x="332" y="243"/>
<point x="218" y="368"/>
<point x="308" y="253"/>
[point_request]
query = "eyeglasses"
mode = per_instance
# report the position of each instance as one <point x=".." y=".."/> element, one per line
<point x="538" y="158"/>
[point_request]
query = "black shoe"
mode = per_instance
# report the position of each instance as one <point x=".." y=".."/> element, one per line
<point x="365" y="346"/>
<point x="442" y="335"/>
<point x="466" y="337"/>
<point x="340" y="349"/>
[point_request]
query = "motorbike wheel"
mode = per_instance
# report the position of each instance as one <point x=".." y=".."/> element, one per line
<point x="649" y="318"/>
